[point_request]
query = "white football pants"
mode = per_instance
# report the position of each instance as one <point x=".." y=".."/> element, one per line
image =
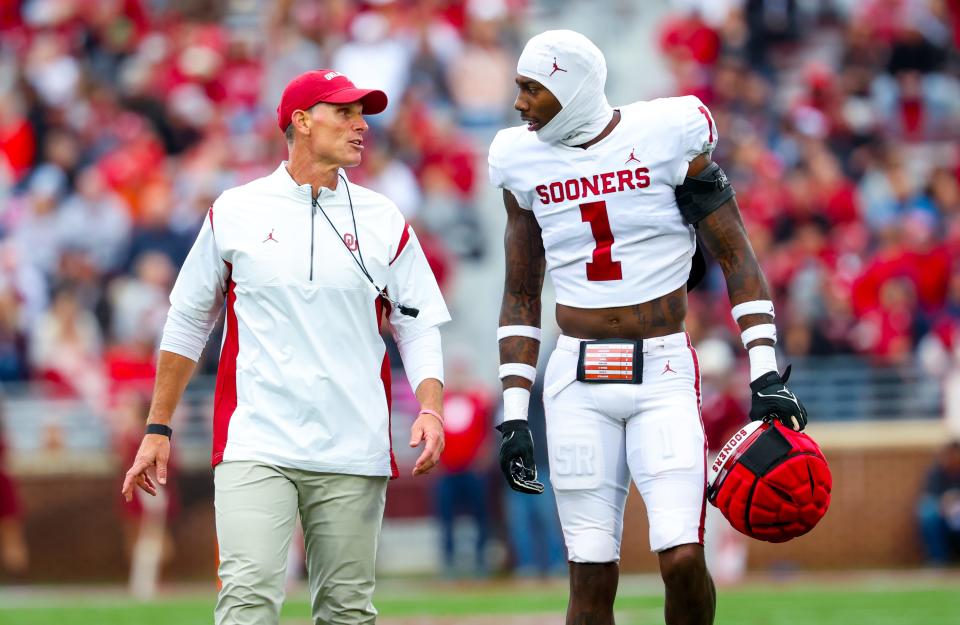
<point x="599" y="435"/>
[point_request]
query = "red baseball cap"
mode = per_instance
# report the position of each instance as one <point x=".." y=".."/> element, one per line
<point x="325" y="85"/>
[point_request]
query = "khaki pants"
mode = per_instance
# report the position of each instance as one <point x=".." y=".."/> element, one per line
<point x="256" y="508"/>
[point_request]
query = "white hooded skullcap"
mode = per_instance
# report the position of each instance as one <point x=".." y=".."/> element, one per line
<point x="574" y="70"/>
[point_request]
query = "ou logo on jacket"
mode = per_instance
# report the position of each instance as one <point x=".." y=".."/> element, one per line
<point x="351" y="242"/>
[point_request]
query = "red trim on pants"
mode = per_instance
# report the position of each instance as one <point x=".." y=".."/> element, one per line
<point x="696" y="386"/>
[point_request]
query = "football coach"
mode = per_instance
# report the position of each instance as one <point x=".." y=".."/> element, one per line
<point x="306" y="263"/>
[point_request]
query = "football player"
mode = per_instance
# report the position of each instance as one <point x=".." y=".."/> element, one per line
<point x="609" y="201"/>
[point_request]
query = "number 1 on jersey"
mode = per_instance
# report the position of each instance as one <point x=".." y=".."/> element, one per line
<point x="603" y="267"/>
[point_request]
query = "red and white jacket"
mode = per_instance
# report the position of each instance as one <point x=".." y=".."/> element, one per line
<point x="304" y="380"/>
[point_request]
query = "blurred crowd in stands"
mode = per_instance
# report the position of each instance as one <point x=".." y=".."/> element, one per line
<point x="938" y="511"/>
<point x="839" y="130"/>
<point x="121" y="121"/>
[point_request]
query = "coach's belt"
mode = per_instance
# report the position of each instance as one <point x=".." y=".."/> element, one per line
<point x="611" y="361"/>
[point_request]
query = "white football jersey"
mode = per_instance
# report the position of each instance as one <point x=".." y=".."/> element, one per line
<point x="612" y="231"/>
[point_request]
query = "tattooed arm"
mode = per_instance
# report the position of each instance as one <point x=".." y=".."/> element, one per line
<point x="525" y="265"/>
<point x="723" y="234"/>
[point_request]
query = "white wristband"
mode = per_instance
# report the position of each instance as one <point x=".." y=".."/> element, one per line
<point x="762" y="331"/>
<point x="516" y="402"/>
<point x="763" y="359"/>
<point x="520" y="369"/>
<point x="531" y="332"/>
<point x="755" y="307"/>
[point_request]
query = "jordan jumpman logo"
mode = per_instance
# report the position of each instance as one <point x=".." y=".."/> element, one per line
<point x="270" y="237"/>
<point x="667" y="368"/>
<point x="556" y="68"/>
<point x="632" y="157"/>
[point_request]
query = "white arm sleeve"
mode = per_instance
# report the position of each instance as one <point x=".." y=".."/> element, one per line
<point x="197" y="296"/>
<point x="422" y="356"/>
<point x="185" y="335"/>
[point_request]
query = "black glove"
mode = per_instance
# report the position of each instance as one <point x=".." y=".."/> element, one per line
<point x="771" y="398"/>
<point x="516" y="457"/>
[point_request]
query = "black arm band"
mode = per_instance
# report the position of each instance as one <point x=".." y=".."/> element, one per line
<point x="159" y="428"/>
<point x="698" y="269"/>
<point x="704" y="193"/>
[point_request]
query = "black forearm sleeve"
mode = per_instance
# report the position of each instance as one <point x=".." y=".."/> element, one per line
<point x="703" y="193"/>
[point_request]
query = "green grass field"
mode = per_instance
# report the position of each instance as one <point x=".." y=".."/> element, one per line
<point x="840" y="600"/>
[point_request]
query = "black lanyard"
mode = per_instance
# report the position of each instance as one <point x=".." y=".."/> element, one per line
<point x="409" y="311"/>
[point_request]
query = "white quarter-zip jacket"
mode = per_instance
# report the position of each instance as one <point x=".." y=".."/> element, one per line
<point x="303" y="379"/>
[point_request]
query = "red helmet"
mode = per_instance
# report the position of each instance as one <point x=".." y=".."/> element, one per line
<point x="770" y="482"/>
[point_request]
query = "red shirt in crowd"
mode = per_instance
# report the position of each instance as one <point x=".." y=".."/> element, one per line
<point x="723" y="414"/>
<point x="929" y="272"/>
<point x="466" y="415"/>
<point x="9" y="506"/>
<point x="17" y="145"/>
<point x="690" y="37"/>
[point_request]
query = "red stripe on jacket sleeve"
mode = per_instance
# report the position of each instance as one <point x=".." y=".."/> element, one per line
<point x="225" y="396"/>
<point x="387" y="383"/>
<point x="404" y="239"/>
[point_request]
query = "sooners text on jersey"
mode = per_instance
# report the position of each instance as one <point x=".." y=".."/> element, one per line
<point x="612" y="232"/>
